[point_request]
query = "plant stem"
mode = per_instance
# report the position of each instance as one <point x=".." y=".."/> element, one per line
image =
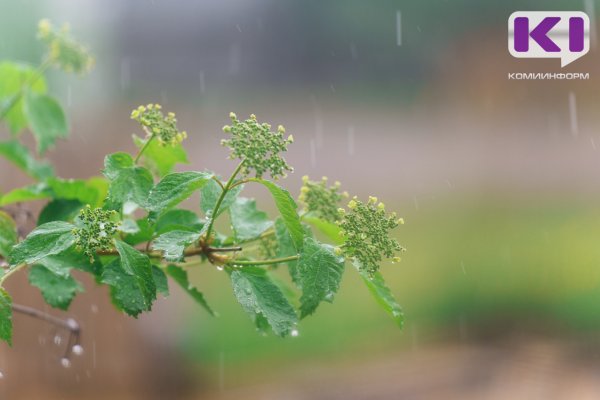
<point x="264" y="262"/>
<point x="17" y="96"/>
<point x="145" y="146"/>
<point x="220" y="199"/>
<point x="214" y="178"/>
<point x="10" y="272"/>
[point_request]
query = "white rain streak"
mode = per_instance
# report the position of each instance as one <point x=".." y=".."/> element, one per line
<point x="202" y="82"/>
<point x="351" y="140"/>
<point x="589" y="7"/>
<point x="235" y="59"/>
<point x="69" y="96"/>
<point x="573" y="114"/>
<point x="462" y="266"/>
<point x="416" y="201"/>
<point x="593" y="142"/>
<point x="239" y="29"/>
<point x="125" y="73"/>
<point x="313" y="153"/>
<point x="353" y="51"/>
<point x="398" y="28"/>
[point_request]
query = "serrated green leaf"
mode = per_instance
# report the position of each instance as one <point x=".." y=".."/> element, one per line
<point x="20" y="156"/>
<point x="287" y="208"/>
<point x="320" y="272"/>
<point x="261" y="298"/>
<point x="61" y="264"/>
<point x="8" y="234"/>
<point x="59" y="210"/>
<point x="173" y="243"/>
<point x="175" y="188"/>
<point x="286" y="248"/>
<point x="210" y="193"/>
<point x="180" y="276"/>
<point x="5" y="316"/>
<point x="37" y="191"/>
<point x="181" y="220"/>
<point x="127" y="182"/>
<point x="58" y="291"/>
<point x="14" y="77"/>
<point x="248" y="222"/>
<point x="86" y="192"/>
<point x="160" y="280"/>
<point x="46" y="119"/>
<point x="161" y="158"/>
<point x="131" y="279"/>
<point x="329" y="229"/>
<point x="45" y="240"/>
<point x="144" y="233"/>
<point x="383" y="295"/>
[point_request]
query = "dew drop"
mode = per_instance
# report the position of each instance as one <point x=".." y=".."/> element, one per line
<point x="77" y="350"/>
<point x="65" y="362"/>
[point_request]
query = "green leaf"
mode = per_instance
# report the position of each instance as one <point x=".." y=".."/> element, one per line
<point x="210" y="194"/>
<point x="20" y="156"/>
<point x="383" y="295"/>
<point x="160" y="280"/>
<point x="160" y="158"/>
<point x="132" y="280"/>
<point x="174" y="243"/>
<point x="61" y="264"/>
<point x="144" y="233"/>
<point x="5" y="316"/>
<point x="58" y="291"/>
<point x="180" y="276"/>
<point x="262" y="299"/>
<point x="182" y="220"/>
<point x="37" y="191"/>
<point x="46" y="119"/>
<point x="286" y="248"/>
<point x="8" y="234"/>
<point x="320" y="272"/>
<point x="175" y="188"/>
<point x="127" y="182"/>
<point x="247" y="222"/>
<point x="329" y="229"/>
<point x="86" y="192"/>
<point x="59" y="210"/>
<point x="13" y="78"/>
<point x="45" y="240"/>
<point x="287" y="208"/>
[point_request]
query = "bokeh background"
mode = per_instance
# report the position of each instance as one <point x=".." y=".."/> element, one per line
<point x="498" y="181"/>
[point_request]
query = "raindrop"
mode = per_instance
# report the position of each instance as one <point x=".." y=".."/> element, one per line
<point x="235" y="59"/>
<point x="77" y="350"/>
<point x="398" y="28"/>
<point x="588" y="6"/>
<point x="65" y="362"/>
<point x="1" y="375"/>
<point x="125" y="73"/>
<point x="313" y="153"/>
<point x="57" y="340"/>
<point x="353" y="51"/>
<point x="573" y="114"/>
<point x="462" y="266"/>
<point x="220" y="267"/>
<point x="294" y="332"/>
<point x="351" y="140"/>
<point x="202" y="82"/>
<point x="69" y="96"/>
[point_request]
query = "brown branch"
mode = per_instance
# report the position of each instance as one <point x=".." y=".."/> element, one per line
<point x="70" y="325"/>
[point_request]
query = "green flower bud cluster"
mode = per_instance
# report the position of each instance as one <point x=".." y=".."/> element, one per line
<point x="321" y="200"/>
<point x="257" y="146"/>
<point x="164" y="129"/>
<point x="95" y="230"/>
<point x="64" y="51"/>
<point x="366" y="230"/>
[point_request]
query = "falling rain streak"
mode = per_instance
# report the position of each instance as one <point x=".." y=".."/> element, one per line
<point x="573" y="114"/>
<point x="351" y="140"/>
<point x="398" y="28"/>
